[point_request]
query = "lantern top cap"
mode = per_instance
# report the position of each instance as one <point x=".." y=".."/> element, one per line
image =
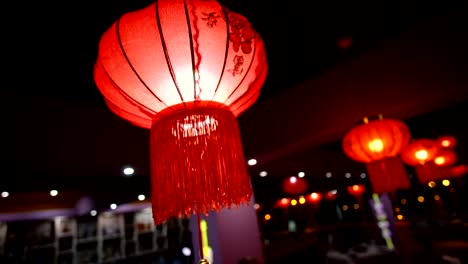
<point x="366" y="119"/>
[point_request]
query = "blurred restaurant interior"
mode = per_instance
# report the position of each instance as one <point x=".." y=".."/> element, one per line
<point x="76" y="177"/>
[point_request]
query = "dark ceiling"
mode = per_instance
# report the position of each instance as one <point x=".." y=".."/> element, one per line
<point x="407" y="60"/>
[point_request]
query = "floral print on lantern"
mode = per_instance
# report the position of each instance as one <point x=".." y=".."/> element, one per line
<point x="211" y="18"/>
<point x="238" y="62"/>
<point x="241" y="34"/>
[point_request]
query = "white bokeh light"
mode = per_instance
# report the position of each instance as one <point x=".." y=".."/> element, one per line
<point x="113" y="206"/>
<point x="186" y="251"/>
<point x="93" y="212"/>
<point x="128" y="171"/>
<point x="293" y="179"/>
<point x="5" y="194"/>
<point x="53" y="193"/>
<point x="328" y="174"/>
<point x="252" y="162"/>
<point x="263" y="174"/>
<point x="141" y="197"/>
<point x="301" y="174"/>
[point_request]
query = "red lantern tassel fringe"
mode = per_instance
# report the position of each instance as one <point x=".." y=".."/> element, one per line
<point x="197" y="161"/>
<point x="387" y="175"/>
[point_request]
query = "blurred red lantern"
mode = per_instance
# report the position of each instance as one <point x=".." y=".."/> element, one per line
<point x="445" y="157"/>
<point x="377" y="143"/>
<point x="419" y="151"/>
<point x="356" y="190"/>
<point x="283" y="203"/>
<point x="439" y="168"/>
<point x="314" y="197"/>
<point x="431" y="162"/>
<point x="185" y="70"/>
<point x="294" y="185"/>
<point x="446" y="141"/>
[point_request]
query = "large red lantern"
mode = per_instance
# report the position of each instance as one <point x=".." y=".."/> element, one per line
<point x="377" y="144"/>
<point x="185" y="70"/>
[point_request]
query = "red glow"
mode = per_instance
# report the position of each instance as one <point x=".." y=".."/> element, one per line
<point x="344" y="42"/>
<point x="294" y="185"/>
<point x="283" y="203"/>
<point x="446" y="141"/>
<point x="459" y="170"/>
<point x="331" y="195"/>
<point x="356" y="189"/>
<point x="314" y="197"/>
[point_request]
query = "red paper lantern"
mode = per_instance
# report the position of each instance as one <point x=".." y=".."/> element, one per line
<point x="446" y="141"/>
<point x="356" y="190"/>
<point x="377" y="143"/>
<point x="294" y="185"/>
<point x="185" y="70"/>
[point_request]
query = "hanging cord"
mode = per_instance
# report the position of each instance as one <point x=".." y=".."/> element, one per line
<point x="200" y="242"/>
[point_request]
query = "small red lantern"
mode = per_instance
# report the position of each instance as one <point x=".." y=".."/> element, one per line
<point x="294" y="185"/>
<point x="314" y="197"/>
<point x="377" y="143"/>
<point x="185" y="70"/>
<point x="446" y="141"/>
<point x="356" y="190"/>
<point x="419" y="151"/>
<point x="283" y="203"/>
